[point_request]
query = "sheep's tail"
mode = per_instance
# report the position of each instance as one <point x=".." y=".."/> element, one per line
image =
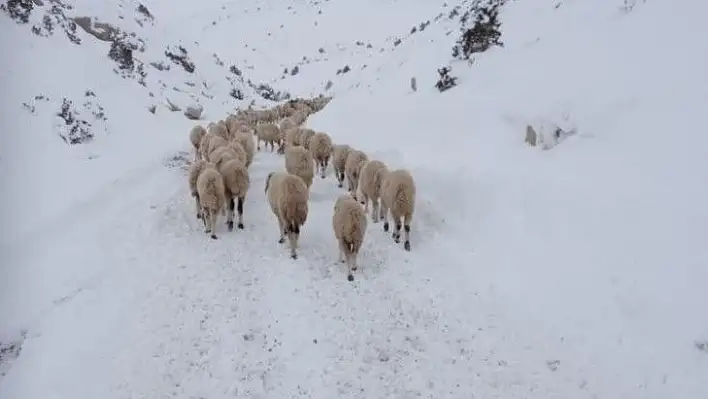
<point x="295" y="213"/>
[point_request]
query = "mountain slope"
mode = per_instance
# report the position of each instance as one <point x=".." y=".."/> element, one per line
<point x="571" y="272"/>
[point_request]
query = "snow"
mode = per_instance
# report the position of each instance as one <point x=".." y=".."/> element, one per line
<point x="577" y="271"/>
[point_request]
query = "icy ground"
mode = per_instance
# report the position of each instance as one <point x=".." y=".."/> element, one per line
<point x="575" y="272"/>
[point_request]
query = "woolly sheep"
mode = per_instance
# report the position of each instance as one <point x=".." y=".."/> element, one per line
<point x="352" y="168"/>
<point x="195" y="137"/>
<point x="194" y="170"/>
<point x="398" y="197"/>
<point x="339" y="159"/>
<point x="287" y="123"/>
<point x="288" y="195"/>
<point x="299" y="117"/>
<point x="321" y="149"/>
<point x="211" y="195"/>
<point x="305" y="137"/>
<point x="372" y="173"/>
<point x="227" y="153"/>
<point x="246" y="142"/>
<point x="219" y="129"/>
<point x="349" y="224"/>
<point x="214" y="143"/>
<point x="236" y="185"/>
<point x="299" y="162"/>
<point x="268" y="133"/>
<point x="205" y="147"/>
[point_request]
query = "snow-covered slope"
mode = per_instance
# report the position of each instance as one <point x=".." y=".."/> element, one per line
<point x="578" y="271"/>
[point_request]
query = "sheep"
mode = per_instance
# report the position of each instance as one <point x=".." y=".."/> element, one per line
<point x="299" y="117"/>
<point x="299" y="162"/>
<point x="349" y="224"/>
<point x="246" y="142"/>
<point x="194" y="171"/>
<point x="292" y="137"/>
<point x="321" y="149"/>
<point x="370" y="186"/>
<point x="339" y="159"/>
<point x="210" y="191"/>
<point x="305" y="137"/>
<point x="287" y="123"/>
<point x="269" y="133"/>
<point x="288" y="195"/>
<point x="236" y="185"/>
<point x="226" y="153"/>
<point x="219" y="129"/>
<point x="234" y="124"/>
<point x="398" y="197"/>
<point x="213" y="143"/>
<point x="195" y="136"/>
<point x="352" y="168"/>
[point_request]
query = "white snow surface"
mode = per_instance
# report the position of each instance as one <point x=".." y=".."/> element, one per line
<point x="575" y="272"/>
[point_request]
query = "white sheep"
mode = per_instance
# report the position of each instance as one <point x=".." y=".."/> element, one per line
<point x="299" y="162"/>
<point x="192" y="175"/>
<point x="246" y="142"/>
<point x="210" y="191"/>
<point x="219" y="129"/>
<point x="195" y="137"/>
<point x="299" y="117"/>
<point x="370" y="181"/>
<point x="212" y="143"/>
<point x="268" y="133"/>
<point x="305" y="137"/>
<point x="288" y="195"/>
<point x="321" y="149"/>
<point x="398" y="197"/>
<point x="236" y="185"/>
<point x="287" y="123"/>
<point x="352" y="168"/>
<point x="349" y="224"/>
<point x="339" y="160"/>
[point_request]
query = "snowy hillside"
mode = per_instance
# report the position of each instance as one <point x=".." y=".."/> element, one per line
<point x="572" y="268"/>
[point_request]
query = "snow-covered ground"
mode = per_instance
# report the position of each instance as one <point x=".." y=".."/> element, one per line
<point x="574" y="272"/>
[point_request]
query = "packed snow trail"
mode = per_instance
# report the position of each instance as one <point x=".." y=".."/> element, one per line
<point x="171" y="312"/>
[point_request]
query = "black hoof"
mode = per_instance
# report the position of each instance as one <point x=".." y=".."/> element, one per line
<point x="396" y="239"/>
<point x="199" y="215"/>
<point x="322" y="176"/>
<point x="230" y="223"/>
<point x="350" y="277"/>
<point x="293" y="256"/>
<point x="386" y="226"/>
<point x="281" y="241"/>
<point x="213" y="237"/>
<point x="340" y="185"/>
<point x="240" y="226"/>
<point x="407" y="245"/>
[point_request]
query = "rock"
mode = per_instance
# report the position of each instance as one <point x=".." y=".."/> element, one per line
<point x="531" y="136"/>
<point x="194" y="112"/>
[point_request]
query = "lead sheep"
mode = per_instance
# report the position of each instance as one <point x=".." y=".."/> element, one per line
<point x="288" y="195"/>
<point x="398" y="197"/>
<point x="195" y="137"/>
<point x="349" y="224"/>
<point x="192" y="175"/>
<point x="352" y="168"/>
<point x="299" y="162"/>
<point x="370" y="182"/>
<point x="210" y="191"/>
<point x="236" y="185"/>
<point x="339" y="160"/>
<point x="321" y="149"/>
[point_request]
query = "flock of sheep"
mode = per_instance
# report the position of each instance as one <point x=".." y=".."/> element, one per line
<point x="219" y="179"/>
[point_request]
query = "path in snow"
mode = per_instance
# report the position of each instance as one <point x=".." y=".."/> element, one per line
<point x="165" y="310"/>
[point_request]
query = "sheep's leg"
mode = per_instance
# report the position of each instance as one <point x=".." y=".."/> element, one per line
<point x="351" y="264"/>
<point x="342" y="251"/>
<point x="258" y="143"/>
<point x="350" y="183"/>
<point x="375" y="210"/>
<point x="213" y="215"/>
<point x="397" y="232"/>
<point x="384" y="216"/>
<point x="293" y="234"/>
<point x="340" y="177"/>
<point x="283" y="231"/>
<point x="230" y="217"/>
<point x="239" y="208"/>
<point x="407" y="229"/>
<point x="199" y="208"/>
<point x="204" y="222"/>
<point x="365" y="201"/>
